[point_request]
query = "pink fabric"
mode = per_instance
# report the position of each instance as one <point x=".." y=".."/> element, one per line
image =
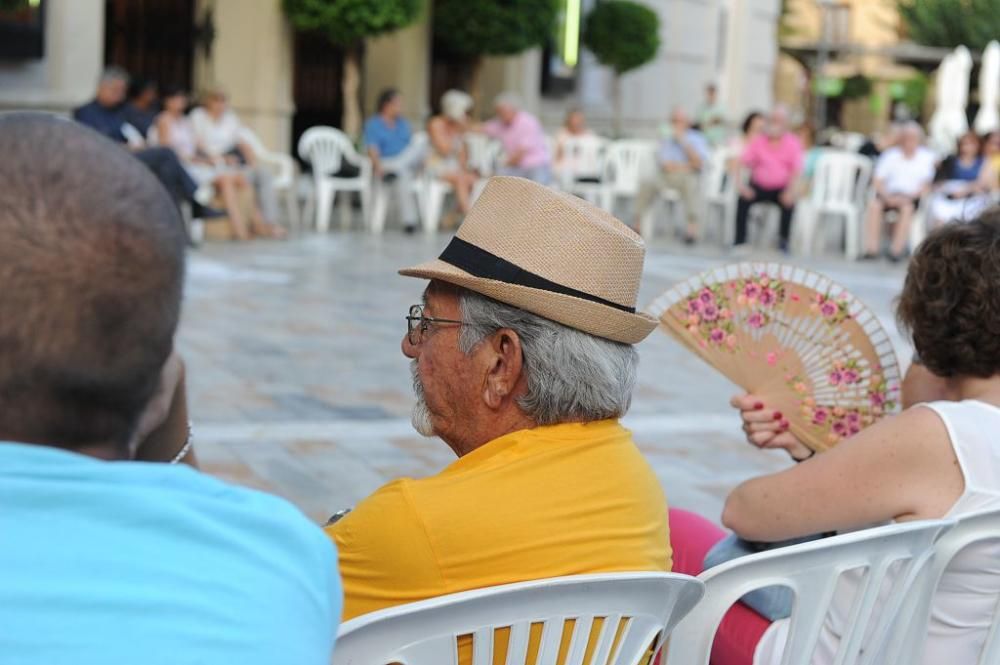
<point x="773" y="165"/>
<point x="523" y="133"/>
<point x="691" y="537"/>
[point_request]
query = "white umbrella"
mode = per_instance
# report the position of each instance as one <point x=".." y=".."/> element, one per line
<point x="988" y="119"/>
<point x="937" y="127"/>
<point x="949" y="121"/>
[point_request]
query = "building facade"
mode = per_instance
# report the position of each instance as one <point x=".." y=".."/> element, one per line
<point x="280" y="82"/>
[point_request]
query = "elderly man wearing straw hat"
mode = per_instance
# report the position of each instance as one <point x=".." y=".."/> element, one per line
<point x="523" y="362"/>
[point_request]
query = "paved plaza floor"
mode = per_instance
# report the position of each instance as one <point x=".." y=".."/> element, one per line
<point x="297" y="384"/>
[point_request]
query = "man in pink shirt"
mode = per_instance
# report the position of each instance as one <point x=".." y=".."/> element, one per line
<point x="775" y="161"/>
<point x="525" y="151"/>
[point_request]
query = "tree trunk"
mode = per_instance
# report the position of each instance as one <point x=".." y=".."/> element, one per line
<point x="617" y="94"/>
<point x="349" y="85"/>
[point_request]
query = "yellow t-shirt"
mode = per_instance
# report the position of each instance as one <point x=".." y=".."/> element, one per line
<point x="567" y="499"/>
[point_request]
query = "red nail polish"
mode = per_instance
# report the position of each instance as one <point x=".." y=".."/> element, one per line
<point x="777" y="415"/>
<point x="757" y="406"/>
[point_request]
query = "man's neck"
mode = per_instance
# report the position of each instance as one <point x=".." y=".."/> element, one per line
<point x="389" y="119"/>
<point x="474" y="438"/>
<point x="102" y="451"/>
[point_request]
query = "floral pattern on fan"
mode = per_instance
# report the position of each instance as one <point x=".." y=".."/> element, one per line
<point x="793" y="337"/>
<point x="836" y="422"/>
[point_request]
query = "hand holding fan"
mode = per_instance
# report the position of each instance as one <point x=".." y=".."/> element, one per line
<point x="793" y="337"/>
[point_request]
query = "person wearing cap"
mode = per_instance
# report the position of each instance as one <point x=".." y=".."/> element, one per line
<point x="523" y="361"/>
<point x="526" y="154"/>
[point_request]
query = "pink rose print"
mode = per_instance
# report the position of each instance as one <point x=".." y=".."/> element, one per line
<point x="853" y="417"/>
<point x="850" y="376"/>
<point x="755" y="320"/>
<point x="768" y="297"/>
<point x="772" y="358"/>
<point x="694" y="305"/>
<point x="840" y="428"/>
<point x="836" y="377"/>
<point x="877" y="399"/>
<point x="751" y="290"/>
<point x="820" y="416"/>
<point x="717" y="335"/>
<point x="828" y="309"/>
<point x="706" y="296"/>
<point x="710" y="312"/>
<point x="731" y="341"/>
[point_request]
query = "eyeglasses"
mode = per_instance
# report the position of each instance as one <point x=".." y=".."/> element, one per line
<point x="417" y="324"/>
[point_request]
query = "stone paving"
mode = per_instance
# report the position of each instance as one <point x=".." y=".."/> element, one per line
<point x="297" y="385"/>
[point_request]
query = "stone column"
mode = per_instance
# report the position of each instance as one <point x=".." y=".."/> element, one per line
<point x="252" y="61"/>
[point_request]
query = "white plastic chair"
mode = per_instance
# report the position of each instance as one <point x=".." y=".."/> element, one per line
<point x="583" y="167"/>
<point x="482" y="153"/>
<point x="282" y="167"/>
<point x="326" y="149"/>
<point x="411" y="158"/>
<point x="839" y="191"/>
<point x="968" y="530"/>
<point x="812" y="570"/>
<point x="629" y="162"/>
<point x="720" y="194"/>
<point x="645" y="606"/>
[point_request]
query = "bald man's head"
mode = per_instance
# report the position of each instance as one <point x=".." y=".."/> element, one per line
<point x="91" y="269"/>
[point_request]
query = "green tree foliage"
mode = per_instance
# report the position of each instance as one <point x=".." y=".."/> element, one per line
<point x="347" y="23"/>
<point x="950" y="23"/>
<point x="624" y="35"/>
<point x="475" y="28"/>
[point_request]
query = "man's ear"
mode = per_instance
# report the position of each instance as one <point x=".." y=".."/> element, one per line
<point x="505" y="363"/>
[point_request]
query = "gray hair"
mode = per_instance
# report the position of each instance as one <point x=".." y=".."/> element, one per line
<point x="113" y="73"/>
<point x="912" y="127"/>
<point x="572" y="376"/>
<point x="511" y="99"/>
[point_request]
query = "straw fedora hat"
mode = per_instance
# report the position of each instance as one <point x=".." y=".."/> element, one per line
<point x="551" y="254"/>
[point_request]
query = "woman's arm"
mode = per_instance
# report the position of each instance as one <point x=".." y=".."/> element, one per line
<point x="903" y="467"/>
<point x="439" y="137"/>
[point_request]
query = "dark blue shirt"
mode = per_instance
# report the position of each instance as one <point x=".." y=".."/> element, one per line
<point x="107" y="121"/>
<point x="389" y="141"/>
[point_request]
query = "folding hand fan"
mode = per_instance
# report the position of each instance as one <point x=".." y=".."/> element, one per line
<point x="800" y="341"/>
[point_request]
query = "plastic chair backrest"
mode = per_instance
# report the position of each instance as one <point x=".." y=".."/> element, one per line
<point x="325" y="148"/>
<point x="840" y="179"/>
<point x="812" y="570"/>
<point x="482" y="153"/>
<point x="636" y="608"/>
<point x="627" y="162"/>
<point x="717" y="178"/>
<point x="972" y="529"/>
<point x="584" y="155"/>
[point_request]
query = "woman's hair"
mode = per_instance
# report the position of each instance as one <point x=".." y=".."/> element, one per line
<point x="385" y="97"/>
<point x="970" y="135"/>
<point x="753" y="115"/>
<point x="455" y="104"/>
<point x="951" y="299"/>
<point x="173" y="91"/>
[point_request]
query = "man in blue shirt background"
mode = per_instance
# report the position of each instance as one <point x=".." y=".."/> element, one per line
<point x="106" y="560"/>
<point x="387" y="137"/>
<point x="681" y="157"/>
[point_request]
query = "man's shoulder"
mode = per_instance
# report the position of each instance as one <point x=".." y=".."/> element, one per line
<point x="86" y="110"/>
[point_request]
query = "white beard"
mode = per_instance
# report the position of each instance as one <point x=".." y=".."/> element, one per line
<point x="421" y="417"/>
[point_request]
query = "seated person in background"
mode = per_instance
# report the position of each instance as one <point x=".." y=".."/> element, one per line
<point x="711" y="117"/>
<point x="903" y="174"/>
<point x="774" y="159"/>
<point x="174" y="129"/>
<point x="752" y="127"/>
<point x="143" y="105"/>
<point x="526" y="385"/>
<point x="219" y="132"/>
<point x="107" y="560"/>
<point x="568" y="166"/>
<point x="881" y="142"/>
<point x="387" y="136"/>
<point x="965" y="184"/>
<point x="681" y="157"/>
<point x="106" y="115"/>
<point x="526" y="153"/>
<point x="448" y="159"/>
